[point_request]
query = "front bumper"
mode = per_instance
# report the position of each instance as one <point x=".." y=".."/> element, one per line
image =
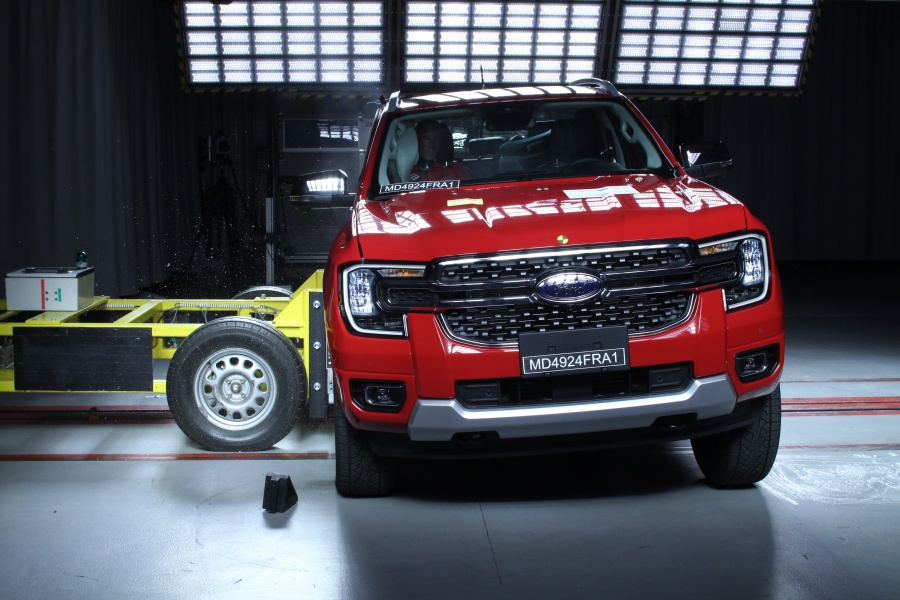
<point x="430" y="365"/>
<point x="444" y="420"/>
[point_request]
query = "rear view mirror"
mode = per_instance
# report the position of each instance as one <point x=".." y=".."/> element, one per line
<point x="324" y="189"/>
<point x="704" y="160"/>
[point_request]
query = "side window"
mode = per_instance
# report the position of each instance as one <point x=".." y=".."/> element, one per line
<point x="399" y="153"/>
<point x="459" y="134"/>
<point x="642" y="152"/>
<point x="425" y="147"/>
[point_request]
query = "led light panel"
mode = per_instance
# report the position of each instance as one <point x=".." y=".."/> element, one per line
<point x="501" y="42"/>
<point x="270" y="43"/>
<point x="714" y="43"/>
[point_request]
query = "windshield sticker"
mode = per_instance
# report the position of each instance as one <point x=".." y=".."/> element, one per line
<point x="601" y="192"/>
<point x="414" y="186"/>
<point x="465" y="202"/>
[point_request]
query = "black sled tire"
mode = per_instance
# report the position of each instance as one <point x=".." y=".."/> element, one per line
<point x="236" y="385"/>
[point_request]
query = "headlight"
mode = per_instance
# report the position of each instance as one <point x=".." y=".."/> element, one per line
<point x="752" y="260"/>
<point x="364" y="311"/>
<point x="360" y="292"/>
<point x="754" y="265"/>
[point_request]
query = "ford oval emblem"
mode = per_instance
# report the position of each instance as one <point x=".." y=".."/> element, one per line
<point x="568" y="287"/>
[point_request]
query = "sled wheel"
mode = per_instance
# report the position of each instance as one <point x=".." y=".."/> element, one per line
<point x="262" y="291"/>
<point x="236" y="384"/>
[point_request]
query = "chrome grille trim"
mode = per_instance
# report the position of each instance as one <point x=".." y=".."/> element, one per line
<point x="523" y="266"/>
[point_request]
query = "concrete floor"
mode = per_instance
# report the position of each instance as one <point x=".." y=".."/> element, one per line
<point x="130" y="508"/>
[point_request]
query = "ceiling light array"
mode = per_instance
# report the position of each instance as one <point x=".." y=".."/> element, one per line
<point x="662" y="44"/>
<point x="501" y="42"/>
<point x="713" y="43"/>
<point x="284" y="43"/>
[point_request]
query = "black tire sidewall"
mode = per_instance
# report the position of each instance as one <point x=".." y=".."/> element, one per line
<point x="342" y="452"/>
<point x="359" y="472"/>
<point x="248" y="334"/>
<point x="743" y="456"/>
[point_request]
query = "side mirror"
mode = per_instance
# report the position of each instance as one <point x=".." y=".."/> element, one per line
<point x="705" y="159"/>
<point x="325" y="189"/>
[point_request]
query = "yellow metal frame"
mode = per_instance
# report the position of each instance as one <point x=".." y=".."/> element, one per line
<point x="291" y="317"/>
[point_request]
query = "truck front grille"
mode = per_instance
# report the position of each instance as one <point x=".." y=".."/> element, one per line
<point x="490" y="300"/>
<point x="499" y="325"/>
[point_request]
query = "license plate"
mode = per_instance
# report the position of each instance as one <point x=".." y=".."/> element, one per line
<point x="570" y="352"/>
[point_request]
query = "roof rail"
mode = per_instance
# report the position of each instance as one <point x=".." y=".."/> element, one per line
<point x="594" y="82"/>
<point x="393" y="102"/>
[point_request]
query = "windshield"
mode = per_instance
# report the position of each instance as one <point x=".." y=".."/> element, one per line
<point x="515" y="141"/>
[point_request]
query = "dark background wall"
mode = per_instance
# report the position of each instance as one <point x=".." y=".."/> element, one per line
<point x="104" y="151"/>
<point x="819" y="168"/>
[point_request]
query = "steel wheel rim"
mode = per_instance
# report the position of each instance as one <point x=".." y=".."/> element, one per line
<point x="235" y="389"/>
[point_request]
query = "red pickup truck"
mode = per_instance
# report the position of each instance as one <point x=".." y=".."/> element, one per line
<point x="532" y="270"/>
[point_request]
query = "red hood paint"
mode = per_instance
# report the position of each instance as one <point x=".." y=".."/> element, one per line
<point x="420" y="226"/>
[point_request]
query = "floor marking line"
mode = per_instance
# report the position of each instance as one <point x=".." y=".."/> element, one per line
<point x="844" y="400"/>
<point x="167" y="456"/>
<point x="882" y="446"/>
<point x="864" y="380"/>
<point x="838" y="413"/>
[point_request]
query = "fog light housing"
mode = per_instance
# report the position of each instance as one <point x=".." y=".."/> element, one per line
<point x="756" y="364"/>
<point x="751" y="365"/>
<point x="378" y="396"/>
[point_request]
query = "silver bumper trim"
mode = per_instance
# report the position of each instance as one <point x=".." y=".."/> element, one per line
<point x="439" y="420"/>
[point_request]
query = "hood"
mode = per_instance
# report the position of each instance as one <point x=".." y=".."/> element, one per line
<point x="422" y="225"/>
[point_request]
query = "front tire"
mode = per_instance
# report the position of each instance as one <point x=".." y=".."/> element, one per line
<point x="236" y="385"/>
<point x="359" y="472"/>
<point x="743" y="456"/>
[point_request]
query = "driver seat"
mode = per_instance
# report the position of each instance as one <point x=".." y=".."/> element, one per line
<point x="406" y="152"/>
<point x="573" y="139"/>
